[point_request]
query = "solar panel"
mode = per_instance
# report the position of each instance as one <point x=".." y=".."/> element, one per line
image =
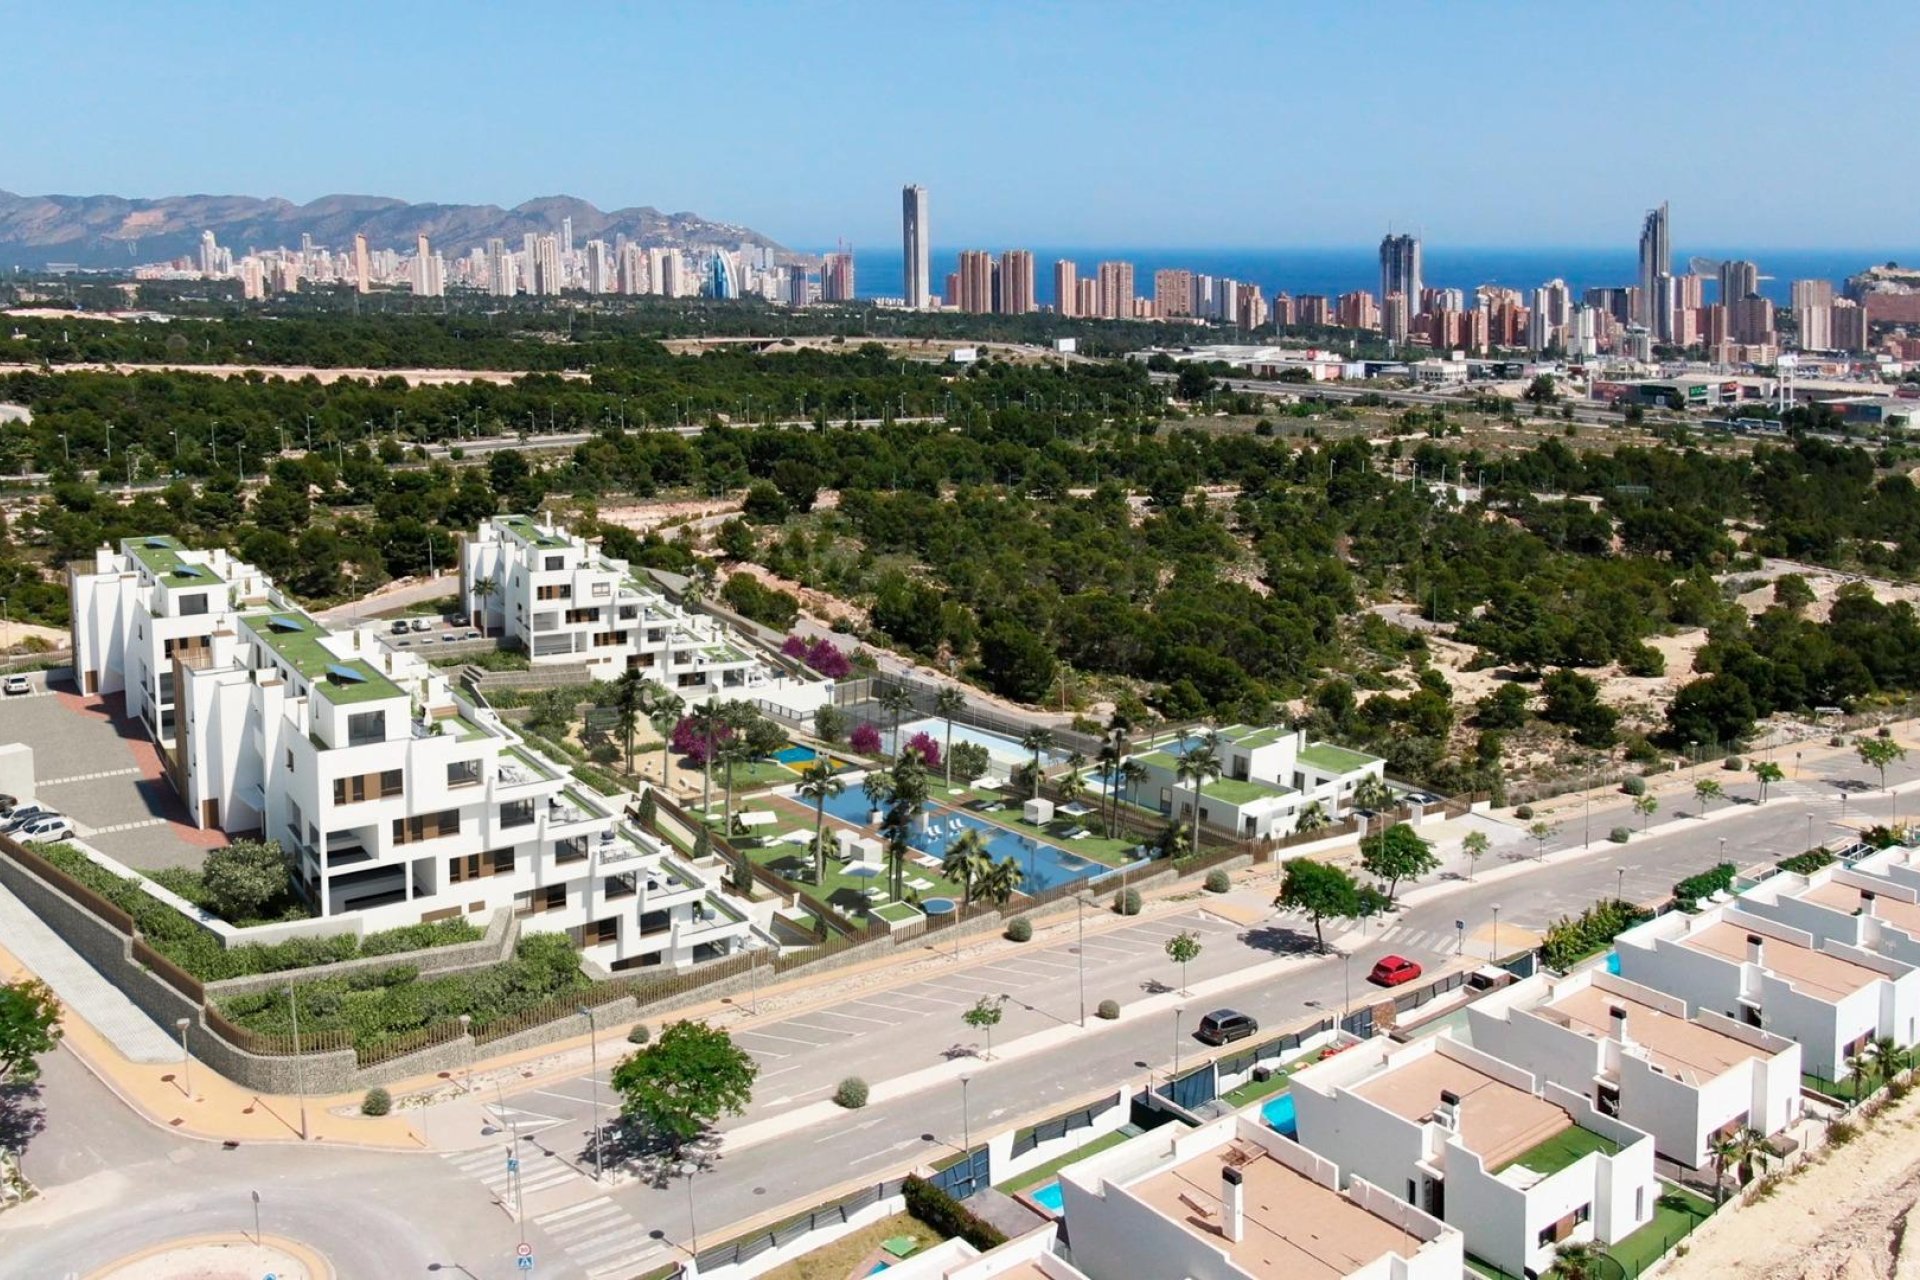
<point x="187" y="571"/>
<point x="281" y="622"/>
<point x="345" y="675"/>
<point x="159" y="544"/>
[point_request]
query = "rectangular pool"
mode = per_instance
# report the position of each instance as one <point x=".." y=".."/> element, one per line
<point x="1003" y="750"/>
<point x="1278" y="1113"/>
<point x="1050" y="1196"/>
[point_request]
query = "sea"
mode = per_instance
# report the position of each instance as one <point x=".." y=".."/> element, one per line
<point x="1333" y="271"/>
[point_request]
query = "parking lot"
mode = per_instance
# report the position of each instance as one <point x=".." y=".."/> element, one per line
<point x="103" y="773"/>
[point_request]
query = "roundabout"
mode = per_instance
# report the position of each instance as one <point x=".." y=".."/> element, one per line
<point x="221" y="1257"/>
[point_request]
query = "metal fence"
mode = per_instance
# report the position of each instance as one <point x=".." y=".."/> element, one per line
<point x="969" y="1173"/>
<point x="1025" y="1140"/>
<point x="169" y="972"/>
<point x="838" y="1213"/>
<point x="1193" y="1090"/>
<point x="1279" y="1047"/>
<point x="855" y="692"/>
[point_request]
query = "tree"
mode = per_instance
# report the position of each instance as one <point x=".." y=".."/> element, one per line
<point x="1397" y="854"/>
<point x="967" y="862"/>
<point x="1001" y="881"/>
<point x="950" y="703"/>
<point x="1743" y="1150"/>
<point x="1475" y="845"/>
<point x="663" y="712"/>
<point x="1132" y="774"/>
<point x="1646" y="806"/>
<point x="1878" y="753"/>
<point x="1197" y="766"/>
<point x="984" y="1016"/>
<point x="485" y="589"/>
<point x="895" y="700"/>
<point x="1767" y="773"/>
<point x="1183" y="948"/>
<point x="1540" y="832"/>
<point x="243" y="877"/>
<point x="1038" y="740"/>
<point x="818" y="784"/>
<point x="685" y="1081"/>
<point x="1706" y="791"/>
<point x="1542" y="391"/>
<point x="629" y="695"/>
<point x="710" y="727"/>
<point x="905" y="792"/>
<point x="829" y="722"/>
<point x="1321" y="892"/>
<point x="29" y="1025"/>
<point x="1112" y="754"/>
<point x="1017" y="663"/>
<point x="1313" y="817"/>
<point x="1579" y="1260"/>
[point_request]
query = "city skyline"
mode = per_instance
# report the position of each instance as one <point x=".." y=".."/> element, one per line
<point x="1079" y="154"/>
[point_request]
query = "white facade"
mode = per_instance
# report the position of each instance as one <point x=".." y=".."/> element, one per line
<point x="1477" y="1143"/>
<point x="1268" y="776"/>
<point x="1874" y="904"/>
<point x="1233" y="1200"/>
<point x="565" y="603"/>
<point x="397" y="800"/>
<point x="1638" y="1055"/>
<point x="1832" y="997"/>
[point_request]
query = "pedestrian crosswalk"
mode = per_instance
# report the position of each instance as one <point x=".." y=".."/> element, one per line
<point x="538" y="1170"/>
<point x="601" y="1238"/>
<point x="1411" y="939"/>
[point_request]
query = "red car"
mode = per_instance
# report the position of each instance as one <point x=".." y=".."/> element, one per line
<point x="1394" y="970"/>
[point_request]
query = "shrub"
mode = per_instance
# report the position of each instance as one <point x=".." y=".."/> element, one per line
<point x="1218" y="881"/>
<point x="866" y="739"/>
<point x="928" y="746"/>
<point x="1837" y="740"/>
<point x="1109" y="1009"/>
<point x="1523" y="812"/>
<point x="1806" y="863"/>
<point x="639" y="1034"/>
<point x="1634" y="786"/>
<point x="1883" y="732"/>
<point x="1733" y="764"/>
<point x="1687" y="893"/>
<point x="1127" y="902"/>
<point x="1020" y="929"/>
<point x="1569" y="941"/>
<point x="1841" y="1132"/>
<point x="948" y="1216"/>
<point x="852" y="1093"/>
<point x="377" y="1102"/>
<point x="1619" y="835"/>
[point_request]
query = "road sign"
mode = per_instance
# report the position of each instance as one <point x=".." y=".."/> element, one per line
<point x="524" y="1250"/>
<point x="513" y="1165"/>
<point x="524" y="1263"/>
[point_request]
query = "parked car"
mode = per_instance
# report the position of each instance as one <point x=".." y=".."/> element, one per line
<point x="471" y="635"/>
<point x="1391" y="971"/>
<point x="423" y="624"/>
<point x="43" y="830"/>
<point x="1223" y="1026"/>
<point x="448" y="637"/>
<point x="20" y="815"/>
<point x="1423" y="798"/>
<point x="16" y="684"/>
<point x="399" y="627"/>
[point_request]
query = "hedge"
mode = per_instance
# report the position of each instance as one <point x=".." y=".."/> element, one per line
<point x="1687" y="893"/>
<point x="193" y="948"/>
<point x="1569" y="941"/>
<point x="1806" y="863"/>
<point x="948" y="1216"/>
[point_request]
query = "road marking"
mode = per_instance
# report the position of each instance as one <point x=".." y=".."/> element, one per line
<point x="86" y="777"/>
<point x="570" y="1097"/>
<point x="941" y="1000"/>
<point x="768" y="1035"/>
<point x="851" y="1017"/>
<point x="808" y="1026"/>
<point x="87" y="833"/>
<point x="561" y="1215"/>
<point x="1048" y="962"/>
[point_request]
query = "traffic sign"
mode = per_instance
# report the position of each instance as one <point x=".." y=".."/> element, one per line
<point x="524" y="1250"/>
<point x="513" y="1165"/>
<point x="525" y="1263"/>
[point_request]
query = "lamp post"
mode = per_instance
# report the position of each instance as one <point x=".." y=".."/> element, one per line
<point x="299" y="1063"/>
<point x="693" y="1229"/>
<point x="186" y="1059"/>
<point x="466" y="1033"/>
<point x="1080" y="949"/>
<point x="1495" y="956"/>
<point x="1586" y="838"/>
<point x="1809" y="831"/>
<point x="1619" y="884"/>
<point x="1723" y="848"/>
<point x="593" y="1051"/>
<point x="1176" y="1042"/>
<point x="256" y="1218"/>
<point x="966" y="1122"/>
<point x="1346" y="986"/>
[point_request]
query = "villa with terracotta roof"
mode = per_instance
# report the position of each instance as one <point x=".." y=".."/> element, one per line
<point x="1518" y="1165"/>
<point x="1833" y="997"/>
<point x="1233" y="1200"/>
<point x="1688" y="1080"/>
<point x="1874" y="904"/>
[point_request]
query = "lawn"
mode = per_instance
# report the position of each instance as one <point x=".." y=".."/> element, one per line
<point x="1256" y="1090"/>
<point x="847" y="893"/>
<point x="836" y="1261"/>
<point x="1562" y="1150"/>
<point x="1040" y="1173"/>
<point x="1675" y="1214"/>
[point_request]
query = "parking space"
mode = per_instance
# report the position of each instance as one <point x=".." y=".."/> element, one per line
<point x="100" y="769"/>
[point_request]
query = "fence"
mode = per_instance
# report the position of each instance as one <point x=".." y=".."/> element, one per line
<point x="268" y="1045"/>
<point x="854" y="692"/>
<point x="839" y="1213"/>
<point x="169" y="972"/>
<point x="1193" y="1090"/>
<point x="965" y="1175"/>
<point x="1279" y="1047"/>
<point x="1026" y="1140"/>
<point x="80" y="893"/>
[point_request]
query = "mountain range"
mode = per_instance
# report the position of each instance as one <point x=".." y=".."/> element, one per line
<point x="114" y="231"/>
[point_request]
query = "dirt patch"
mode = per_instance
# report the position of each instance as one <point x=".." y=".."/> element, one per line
<point x="645" y="516"/>
<point x="823" y="607"/>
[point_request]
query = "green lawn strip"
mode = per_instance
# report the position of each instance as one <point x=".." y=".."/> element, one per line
<point x="1095" y="848"/>
<point x="897" y="913"/>
<point x="1256" y="1090"/>
<point x="1847" y="1090"/>
<point x="1561" y="1151"/>
<point x="847" y="893"/>
<point x="1040" y="1173"/>
<point x="1488" y="1270"/>
<point x="1675" y="1215"/>
<point x="756" y="775"/>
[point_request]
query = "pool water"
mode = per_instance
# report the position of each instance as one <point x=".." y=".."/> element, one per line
<point x="796" y="755"/>
<point x="1613" y="963"/>
<point x="1050" y="1196"/>
<point x="1003" y="750"/>
<point x="1278" y="1113"/>
<point x="1042" y="865"/>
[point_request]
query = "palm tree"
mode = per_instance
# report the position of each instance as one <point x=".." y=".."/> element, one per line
<point x="663" y="713"/>
<point x="1197" y="767"/>
<point x="1112" y="754"/>
<point x="699" y="584"/>
<point x="1579" y="1260"/>
<point x="1744" y="1151"/>
<point x="907" y="788"/>
<point x="1071" y="787"/>
<point x="1037" y="740"/>
<point x="629" y="693"/>
<point x="1312" y="817"/>
<point x="485" y="590"/>
<point x="1132" y="774"/>
<point x="1001" y="881"/>
<point x="818" y="784"/>
<point x="967" y="863"/>
<point x="708" y="724"/>
<point x="896" y="699"/>
<point x="950" y="703"/>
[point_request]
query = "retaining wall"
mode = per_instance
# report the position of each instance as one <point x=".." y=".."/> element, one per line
<point x="502" y="933"/>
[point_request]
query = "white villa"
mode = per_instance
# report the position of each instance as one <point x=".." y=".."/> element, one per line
<point x="1268" y="776"/>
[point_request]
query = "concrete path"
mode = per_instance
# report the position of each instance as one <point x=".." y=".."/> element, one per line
<point x="80" y="986"/>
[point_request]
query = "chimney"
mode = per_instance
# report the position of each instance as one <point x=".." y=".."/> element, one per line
<point x="1756" y="949"/>
<point x="1233" y="1206"/>
<point x="1619" y="1015"/>
<point x="1447" y="1114"/>
<point x="1866" y="902"/>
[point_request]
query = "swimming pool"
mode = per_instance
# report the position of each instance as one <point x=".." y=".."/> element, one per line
<point x="794" y="754"/>
<point x="1278" y="1113"/>
<point x="1050" y="1196"/>
<point x="1003" y="750"/>
<point x="1042" y="865"/>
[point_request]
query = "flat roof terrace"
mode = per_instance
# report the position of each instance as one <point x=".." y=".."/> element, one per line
<point x="164" y="558"/>
<point x="1495" y="1120"/>
<point x="1296" y="1229"/>
<point x="1678" y="1046"/>
<point x="1815" y="972"/>
<point x="1904" y="916"/>
<point x="296" y="640"/>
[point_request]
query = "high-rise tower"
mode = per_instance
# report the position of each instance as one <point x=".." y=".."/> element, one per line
<point x="1400" y="268"/>
<point x="913" y="244"/>
<point x="1656" y="259"/>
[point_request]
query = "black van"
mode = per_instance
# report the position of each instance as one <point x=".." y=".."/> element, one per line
<point x="1223" y="1026"/>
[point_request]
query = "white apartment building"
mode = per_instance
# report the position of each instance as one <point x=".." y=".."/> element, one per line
<point x="1267" y="777"/>
<point x="397" y="799"/>
<point x="1518" y="1166"/>
<point x="1233" y="1200"/>
<point x="565" y="603"/>
<point x="1831" y="997"/>
<point x="1873" y="905"/>
<point x="1688" y="1080"/>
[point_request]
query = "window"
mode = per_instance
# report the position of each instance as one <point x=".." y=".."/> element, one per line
<point x="366" y="726"/>
<point x="602" y="639"/>
<point x="193" y="604"/>
<point x="391" y="783"/>
<point x="691" y="679"/>
<point x="558" y="591"/>
<point x="478" y="866"/>
<point x="601" y="590"/>
<point x="535" y="901"/>
<point x="368" y="786"/>
<point x="463" y="773"/>
<point x="600" y="931"/>
<point x="428" y="826"/>
<point x="289" y="759"/>
<point x="516" y="813"/>
<point x="621" y="886"/>
<point x="573" y="850"/>
<point x="555" y="563"/>
<point x="577" y="616"/>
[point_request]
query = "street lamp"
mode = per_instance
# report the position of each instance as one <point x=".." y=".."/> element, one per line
<point x="256" y="1218"/>
<point x="593" y="1050"/>
<point x="299" y="1063"/>
<point x="1619" y="884"/>
<point x="1346" y="986"/>
<point x="966" y="1123"/>
<point x="466" y="1033"/>
<point x="1723" y="848"/>
<point x="1495" y="957"/>
<point x="186" y="1059"/>
<point x="1176" y="1041"/>
<point x="1080" y="949"/>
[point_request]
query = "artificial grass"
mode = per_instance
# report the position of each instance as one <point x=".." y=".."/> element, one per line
<point x="1675" y="1216"/>
<point x="1256" y="1090"/>
<point x="1561" y="1151"/>
<point x="837" y="1260"/>
<point x="1040" y="1173"/>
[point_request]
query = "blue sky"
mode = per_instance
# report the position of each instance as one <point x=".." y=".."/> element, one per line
<point x="1113" y="123"/>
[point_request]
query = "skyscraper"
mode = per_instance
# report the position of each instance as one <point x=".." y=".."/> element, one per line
<point x="913" y="245"/>
<point x="1813" y="314"/>
<point x="1116" y="290"/>
<point x="1738" y="280"/>
<point x="836" y="277"/>
<point x="1016" y="282"/>
<point x="1656" y="258"/>
<point x="1172" y="292"/>
<point x="1066" y="288"/>
<point x="429" y="279"/>
<point x="599" y="266"/>
<point x="975" y="281"/>
<point x="209" y="254"/>
<point x="362" y="268"/>
<point x="499" y="268"/>
<point x="1400" y="267"/>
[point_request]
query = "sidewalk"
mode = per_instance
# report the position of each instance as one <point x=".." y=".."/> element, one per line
<point x="80" y="986"/>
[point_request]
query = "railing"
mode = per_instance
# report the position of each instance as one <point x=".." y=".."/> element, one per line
<point x="391" y="1047"/>
<point x="169" y="972"/>
<point x="263" y="1044"/>
<point x="94" y="902"/>
<point x="1025" y="1140"/>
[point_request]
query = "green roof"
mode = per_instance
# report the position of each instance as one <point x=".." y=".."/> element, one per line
<point x="1254" y="738"/>
<point x="295" y="639"/>
<point x="526" y="529"/>
<point x="1236" y="793"/>
<point x="161" y="557"/>
<point x="1561" y="1151"/>
<point x="1331" y="759"/>
<point x="1159" y="760"/>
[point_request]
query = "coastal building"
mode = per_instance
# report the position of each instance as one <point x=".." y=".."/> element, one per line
<point x="1016" y="282"/>
<point x="1233" y="1200"/>
<point x="1518" y="1166"/>
<point x="1066" y="288"/>
<point x="1400" y="268"/>
<point x="1638" y="1055"/>
<point x="915" y="248"/>
<point x="1656" y="260"/>
<point x="1268" y="778"/>
<point x="1116" y="297"/>
<point x="1172" y="293"/>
